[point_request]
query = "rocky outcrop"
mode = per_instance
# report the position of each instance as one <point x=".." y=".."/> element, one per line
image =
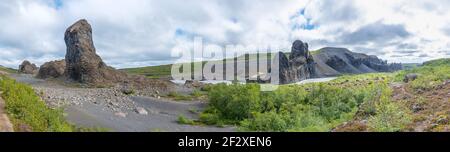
<point x="300" y="65"/>
<point x="27" y="68"/>
<point x="410" y="77"/>
<point x="53" y="69"/>
<point x="82" y="63"/>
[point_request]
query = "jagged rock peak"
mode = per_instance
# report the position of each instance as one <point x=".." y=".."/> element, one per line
<point x="299" y="49"/>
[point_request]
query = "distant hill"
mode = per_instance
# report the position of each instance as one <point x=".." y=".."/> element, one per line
<point x="324" y="59"/>
<point x="407" y="66"/>
<point x="6" y="69"/>
<point x="438" y="62"/>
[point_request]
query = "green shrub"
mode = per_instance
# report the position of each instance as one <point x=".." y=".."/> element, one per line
<point x="389" y="116"/>
<point x="269" y="121"/>
<point x="235" y="102"/>
<point x="185" y="121"/>
<point x="196" y="94"/>
<point x="25" y="107"/>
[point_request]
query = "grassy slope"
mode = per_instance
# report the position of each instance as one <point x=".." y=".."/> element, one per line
<point x="161" y="71"/>
<point x="432" y="73"/>
<point x="28" y="112"/>
<point x="9" y="70"/>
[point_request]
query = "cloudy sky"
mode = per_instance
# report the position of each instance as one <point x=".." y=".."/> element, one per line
<point x="130" y="33"/>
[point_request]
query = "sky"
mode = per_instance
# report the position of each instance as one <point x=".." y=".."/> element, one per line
<point x="134" y="33"/>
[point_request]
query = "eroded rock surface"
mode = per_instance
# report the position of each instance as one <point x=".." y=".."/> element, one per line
<point x="53" y="69"/>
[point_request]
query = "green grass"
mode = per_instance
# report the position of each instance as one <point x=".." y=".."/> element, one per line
<point x="185" y="121"/>
<point x="162" y="71"/>
<point x="431" y="74"/>
<point x="26" y="108"/>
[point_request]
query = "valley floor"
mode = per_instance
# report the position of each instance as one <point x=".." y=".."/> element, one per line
<point x="111" y="110"/>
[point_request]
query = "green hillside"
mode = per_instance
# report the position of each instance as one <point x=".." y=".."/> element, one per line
<point x="9" y="70"/>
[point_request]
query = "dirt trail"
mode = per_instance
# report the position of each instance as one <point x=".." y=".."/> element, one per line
<point x="430" y="107"/>
<point x="5" y="123"/>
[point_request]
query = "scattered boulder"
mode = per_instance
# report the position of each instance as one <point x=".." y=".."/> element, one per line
<point x="120" y="114"/>
<point x="141" y="111"/>
<point x="53" y="69"/>
<point x="82" y="63"/>
<point x="127" y="90"/>
<point x="193" y="84"/>
<point x="410" y="77"/>
<point x="27" y="68"/>
<point x="417" y="108"/>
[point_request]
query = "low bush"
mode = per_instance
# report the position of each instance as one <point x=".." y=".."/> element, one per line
<point x="185" y="121"/>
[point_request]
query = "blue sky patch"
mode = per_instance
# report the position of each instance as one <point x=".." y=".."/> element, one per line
<point x="307" y="26"/>
<point x="58" y="3"/>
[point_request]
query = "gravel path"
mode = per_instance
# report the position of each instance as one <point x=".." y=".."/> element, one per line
<point x="111" y="109"/>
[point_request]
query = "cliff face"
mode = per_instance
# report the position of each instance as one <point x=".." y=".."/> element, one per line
<point x="337" y="61"/>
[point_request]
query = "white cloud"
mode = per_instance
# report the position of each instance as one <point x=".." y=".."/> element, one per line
<point x="143" y="32"/>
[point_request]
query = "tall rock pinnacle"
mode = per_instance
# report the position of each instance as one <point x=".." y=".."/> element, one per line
<point x="82" y="63"/>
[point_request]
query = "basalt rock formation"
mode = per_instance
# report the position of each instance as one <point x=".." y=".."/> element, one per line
<point x="27" y="68"/>
<point x="83" y="65"/>
<point x="53" y="69"/>
<point x="300" y="65"/>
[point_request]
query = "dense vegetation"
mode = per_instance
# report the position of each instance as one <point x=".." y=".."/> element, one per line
<point x="310" y="107"/>
<point x="25" y="108"/>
